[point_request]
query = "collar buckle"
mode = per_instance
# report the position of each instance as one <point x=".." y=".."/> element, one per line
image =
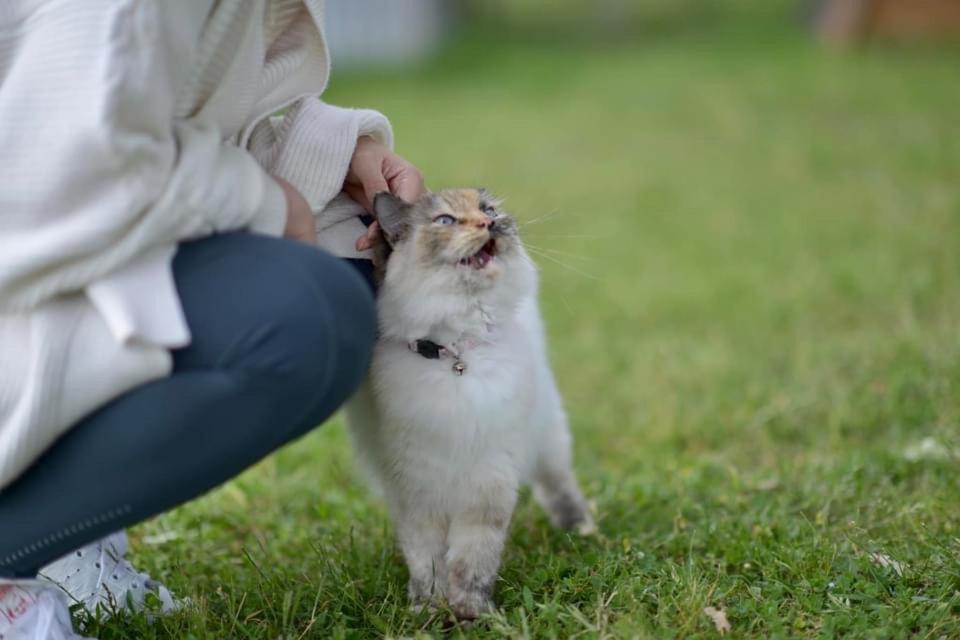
<point x="432" y="351"/>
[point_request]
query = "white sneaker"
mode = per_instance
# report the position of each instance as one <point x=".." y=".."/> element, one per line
<point x="34" y="610"/>
<point x="100" y="575"/>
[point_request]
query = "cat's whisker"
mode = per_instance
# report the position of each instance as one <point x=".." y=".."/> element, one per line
<point x="563" y="264"/>
<point x="566" y="304"/>
<point x="563" y="299"/>
<point x="548" y="283"/>
<point x="545" y="217"/>
<point x="558" y="252"/>
<point x="576" y="236"/>
<point x="523" y="223"/>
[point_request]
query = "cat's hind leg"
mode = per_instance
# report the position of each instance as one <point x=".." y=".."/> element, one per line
<point x="423" y="541"/>
<point x="555" y="486"/>
<point x="476" y="539"/>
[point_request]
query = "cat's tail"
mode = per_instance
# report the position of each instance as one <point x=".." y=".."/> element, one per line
<point x="555" y="485"/>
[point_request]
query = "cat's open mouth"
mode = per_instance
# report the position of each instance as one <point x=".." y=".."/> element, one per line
<point x="481" y="258"/>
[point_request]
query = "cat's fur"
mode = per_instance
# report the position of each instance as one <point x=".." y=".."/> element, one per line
<point x="449" y="452"/>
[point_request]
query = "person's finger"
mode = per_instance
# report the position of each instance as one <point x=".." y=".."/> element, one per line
<point x="366" y="241"/>
<point x="407" y="185"/>
<point x="369" y="172"/>
<point x="363" y="242"/>
<point x="405" y="180"/>
<point x="357" y="194"/>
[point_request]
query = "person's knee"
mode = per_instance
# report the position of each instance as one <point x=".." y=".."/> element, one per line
<point x="352" y="322"/>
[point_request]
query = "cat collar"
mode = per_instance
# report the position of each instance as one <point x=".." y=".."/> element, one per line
<point x="433" y="351"/>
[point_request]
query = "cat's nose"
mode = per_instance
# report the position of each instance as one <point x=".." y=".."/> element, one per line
<point x="486" y="224"/>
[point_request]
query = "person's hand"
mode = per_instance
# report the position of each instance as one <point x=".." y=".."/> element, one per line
<point x="300" y="224"/>
<point x="373" y="169"/>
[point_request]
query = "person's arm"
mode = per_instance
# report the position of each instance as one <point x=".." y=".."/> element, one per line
<point x="96" y="169"/>
<point x="324" y="150"/>
<point x="313" y="146"/>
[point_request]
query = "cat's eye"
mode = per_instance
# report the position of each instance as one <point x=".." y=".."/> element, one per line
<point x="488" y="209"/>
<point x="445" y="219"/>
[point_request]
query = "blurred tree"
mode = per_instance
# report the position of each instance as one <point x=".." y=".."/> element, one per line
<point x="383" y="33"/>
<point x="844" y="22"/>
<point x="604" y="17"/>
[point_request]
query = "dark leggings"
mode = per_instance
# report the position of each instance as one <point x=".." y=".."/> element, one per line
<point x="282" y="335"/>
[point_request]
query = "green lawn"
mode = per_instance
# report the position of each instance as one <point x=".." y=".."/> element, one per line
<point x="751" y="277"/>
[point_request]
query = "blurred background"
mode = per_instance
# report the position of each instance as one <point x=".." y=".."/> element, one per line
<point x="746" y="216"/>
<point x="375" y="33"/>
<point x="735" y="204"/>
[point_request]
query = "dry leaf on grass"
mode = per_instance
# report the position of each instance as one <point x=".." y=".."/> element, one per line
<point x="886" y="562"/>
<point x="719" y="617"/>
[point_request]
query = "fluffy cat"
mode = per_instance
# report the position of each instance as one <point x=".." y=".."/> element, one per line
<point x="460" y="407"/>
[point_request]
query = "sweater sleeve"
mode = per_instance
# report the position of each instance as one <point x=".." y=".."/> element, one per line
<point x="97" y="167"/>
<point x="311" y="147"/>
<point x="314" y="143"/>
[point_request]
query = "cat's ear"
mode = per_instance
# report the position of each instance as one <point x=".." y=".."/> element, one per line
<point x="486" y="197"/>
<point x="393" y="214"/>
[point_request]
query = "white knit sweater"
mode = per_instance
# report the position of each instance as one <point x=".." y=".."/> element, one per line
<point x="127" y="126"/>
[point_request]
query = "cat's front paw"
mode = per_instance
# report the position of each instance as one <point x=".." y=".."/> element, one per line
<point x="429" y="607"/>
<point x="586" y="527"/>
<point x="471" y="605"/>
<point x="424" y="595"/>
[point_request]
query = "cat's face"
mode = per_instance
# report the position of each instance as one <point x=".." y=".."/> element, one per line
<point x="461" y="232"/>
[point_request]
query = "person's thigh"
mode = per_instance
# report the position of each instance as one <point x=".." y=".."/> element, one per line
<point x="271" y="307"/>
<point x="281" y="335"/>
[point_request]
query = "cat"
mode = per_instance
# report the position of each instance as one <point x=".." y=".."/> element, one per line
<point x="460" y="407"/>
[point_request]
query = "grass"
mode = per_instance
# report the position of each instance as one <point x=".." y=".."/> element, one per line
<point x="752" y="287"/>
